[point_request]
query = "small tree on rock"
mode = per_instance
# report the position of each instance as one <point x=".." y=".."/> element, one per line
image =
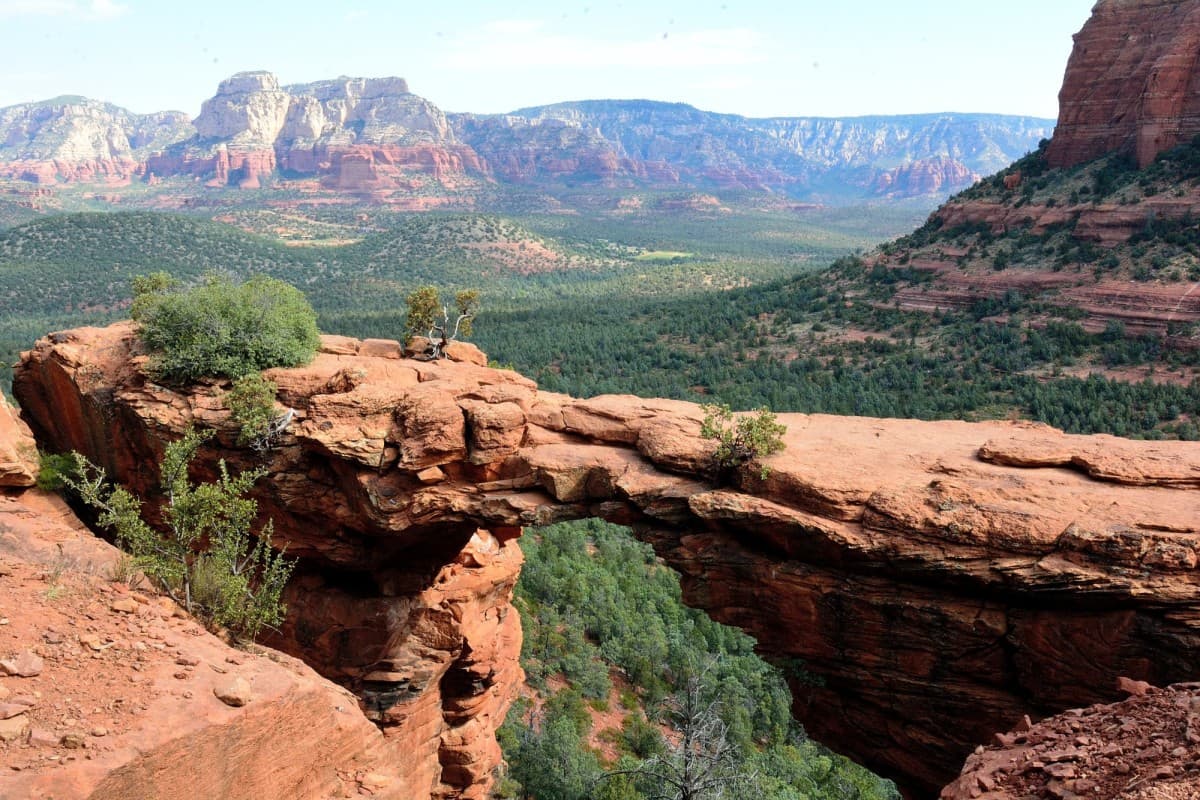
<point x="743" y="440"/>
<point x="429" y="317"/>
<point x="251" y="403"/>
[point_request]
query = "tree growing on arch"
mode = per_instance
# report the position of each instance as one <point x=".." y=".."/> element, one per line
<point x="429" y="317"/>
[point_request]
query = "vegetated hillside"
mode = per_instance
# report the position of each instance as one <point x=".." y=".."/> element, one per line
<point x="1102" y="242"/>
<point x="831" y="160"/>
<point x="723" y="308"/>
<point x="832" y="343"/>
<point x="608" y="649"/>
<point x="14" y="213"/>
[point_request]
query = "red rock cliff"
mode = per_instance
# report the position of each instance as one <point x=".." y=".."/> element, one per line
<point x="937" y="580"/>
<point x="1131" y="83"/>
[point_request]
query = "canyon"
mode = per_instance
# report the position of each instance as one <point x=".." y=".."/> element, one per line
<point x="976" y="573"/>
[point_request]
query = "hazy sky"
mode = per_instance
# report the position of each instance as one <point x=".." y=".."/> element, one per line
<point x="752" y="57"/>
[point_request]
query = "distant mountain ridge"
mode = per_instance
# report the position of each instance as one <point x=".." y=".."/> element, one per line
<point x="73" y="138"/>
<point x="807" y="156"/>
<point x="374" y="137"/>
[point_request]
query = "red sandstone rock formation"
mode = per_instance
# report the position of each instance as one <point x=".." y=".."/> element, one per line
<point x="941" y="579"/>
<point x="121" y="697"/>
<point x="925" y="177"/>
<point x="1131" y="83"/>
<point x="18" y="452"/>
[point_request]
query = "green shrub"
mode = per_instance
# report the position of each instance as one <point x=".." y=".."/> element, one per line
<point x="221" y="328"/>
<point x="207" y="560"/>
<point x="54" y="469"/>
<point x="743" y="440"/>
<point x="251" y="404"/>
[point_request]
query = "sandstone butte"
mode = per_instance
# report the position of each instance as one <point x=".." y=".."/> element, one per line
<point x="1131" y="82"/>
<point x="937" y="580"/>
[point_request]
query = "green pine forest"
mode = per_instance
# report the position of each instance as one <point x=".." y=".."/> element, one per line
<point x="605" y="625"/>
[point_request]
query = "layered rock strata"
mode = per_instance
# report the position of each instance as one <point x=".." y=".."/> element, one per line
<point x="625" y="142"/>
<point x="361" y="135"/>
<point x="373" y="137"/>
<point x="75" y="139"/>
<point x="1131" y="82"/>
<point x="923" y="583"/>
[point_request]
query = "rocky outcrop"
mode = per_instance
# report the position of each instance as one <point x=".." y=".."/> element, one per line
<point x="359" y="135"/>
<point x="1164" y="310"/>
<point x="117" y="694"/>
<point x="924" y="583"/>
<point x="413" y="617"/>
<point x="1131" y="82"/>
<point x="74" y="139"/>
<point x="1144" y="748"/>
<point x="930" y="176"/>
<point x="18" y="452"/>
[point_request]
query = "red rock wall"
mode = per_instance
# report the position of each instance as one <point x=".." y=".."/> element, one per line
<point x="1131" y="83"/>
<point x="926" y="583"/>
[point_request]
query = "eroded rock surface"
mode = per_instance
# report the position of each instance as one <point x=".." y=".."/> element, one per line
<point x="362" y="135"/>
<point x="924" y="583"/>
<point x="112" y="694"/>
<point x="18" y="451"/>
<point x="1144" y="748"/>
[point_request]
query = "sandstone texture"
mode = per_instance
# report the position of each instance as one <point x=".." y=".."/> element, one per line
<point x="1131" y="82"/>
<point x="110" y="694"/>
<point x="18" y="451"/>
<point x="928" y="583"/>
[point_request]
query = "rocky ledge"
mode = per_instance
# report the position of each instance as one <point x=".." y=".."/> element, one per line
<point x="924" y="584"/>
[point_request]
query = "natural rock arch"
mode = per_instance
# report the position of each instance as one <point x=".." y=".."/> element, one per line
<point x="943" y="578"/>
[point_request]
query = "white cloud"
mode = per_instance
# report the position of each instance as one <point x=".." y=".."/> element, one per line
<point x="77" y="9"/>
<point x="520" y="43"/>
